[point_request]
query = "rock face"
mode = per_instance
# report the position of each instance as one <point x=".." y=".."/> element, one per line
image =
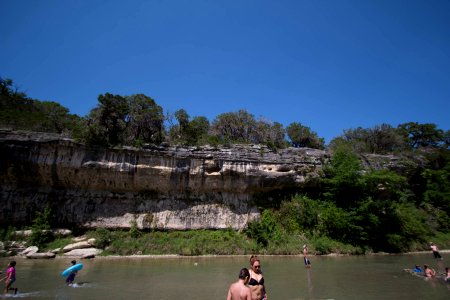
<point x="158" y="187"/>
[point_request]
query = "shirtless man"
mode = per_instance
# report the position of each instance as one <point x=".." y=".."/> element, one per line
<point x="428" y="272"/>
<point x="239" y="290"/>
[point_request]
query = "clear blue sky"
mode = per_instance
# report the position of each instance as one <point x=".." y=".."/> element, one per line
<point x="330" y="65"/>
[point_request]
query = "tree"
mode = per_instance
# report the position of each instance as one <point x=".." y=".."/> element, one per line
<point x="17" y="111"/>
<point x="303" y="136"/>
<point x="145" y="121"/>
<point x="56" y="116"/>
<point x="234" y="127"/>
<point x="196" y="129"/>
<point x="343" y="181"/>
<point x="269" y="133"/>
<point x="188" y="132"/>
<point x="379" y="139"/>
<point x="422" y="135"/>
<point x="107" y="122"/>
<point x="183" y="118"/>
<point x="383" y="139"/>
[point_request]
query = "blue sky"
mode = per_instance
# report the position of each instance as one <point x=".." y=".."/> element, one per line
<point x="330" y="65"/>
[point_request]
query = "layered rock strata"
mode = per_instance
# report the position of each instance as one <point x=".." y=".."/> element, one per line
<point x="157" y="187"/>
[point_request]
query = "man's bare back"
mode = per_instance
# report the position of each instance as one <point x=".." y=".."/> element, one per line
<point x="239" y="290"/>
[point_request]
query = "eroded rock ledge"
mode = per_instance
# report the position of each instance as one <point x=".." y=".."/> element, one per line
<point x="158" y="187"/>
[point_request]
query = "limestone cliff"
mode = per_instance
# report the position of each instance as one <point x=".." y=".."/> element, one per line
<point x="158" y="187"/>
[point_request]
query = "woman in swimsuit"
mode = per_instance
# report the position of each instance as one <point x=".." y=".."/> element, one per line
<point x="256" y="282"/>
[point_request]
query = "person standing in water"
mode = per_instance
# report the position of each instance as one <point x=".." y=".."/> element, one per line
<point x="10" y="277"/>
<point x="239" y="290"/>
<point x="305" y="257"/>
<point x="435" y="250"/>
<point x="71" y="277"/>
<point x="256" y="282"/>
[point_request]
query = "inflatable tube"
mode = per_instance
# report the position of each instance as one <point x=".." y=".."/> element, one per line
<point x="67" y="271"/>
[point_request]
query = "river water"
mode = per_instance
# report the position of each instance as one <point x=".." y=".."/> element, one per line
<point x="206" y="278"/>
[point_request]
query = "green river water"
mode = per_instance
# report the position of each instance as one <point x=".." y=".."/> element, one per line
<point x="201" y="278"/>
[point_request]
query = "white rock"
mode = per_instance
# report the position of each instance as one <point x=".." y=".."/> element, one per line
<point x="23" y="233"/>
<point x="40" y="255"/>
<point x="79" y="238"/>
<point x="83" y="252"/>
<point x="62" y="232"/>
<point x="30" y="250"/>
<point x="79" y="245"/>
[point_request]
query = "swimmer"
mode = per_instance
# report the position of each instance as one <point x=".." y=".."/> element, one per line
<point x="417" y="269"/>
<point x="428" y="272"/>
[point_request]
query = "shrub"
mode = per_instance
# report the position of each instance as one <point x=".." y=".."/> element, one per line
<point x="40" y="230"/>
<point x="102" y="237"/>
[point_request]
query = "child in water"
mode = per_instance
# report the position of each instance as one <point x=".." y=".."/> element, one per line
<point x="10" y="277"/>
<point x="72" y="274"/>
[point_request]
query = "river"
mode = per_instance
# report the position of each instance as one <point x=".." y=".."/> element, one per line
<point x="206" y="278"/>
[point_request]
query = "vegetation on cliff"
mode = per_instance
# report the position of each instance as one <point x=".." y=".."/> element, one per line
<point x="137" y="120"/>
<point x="375" y="210"/>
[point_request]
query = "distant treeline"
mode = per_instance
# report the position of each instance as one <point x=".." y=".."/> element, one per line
<point x="137" y="120"/>
<point x="369" y="210"/>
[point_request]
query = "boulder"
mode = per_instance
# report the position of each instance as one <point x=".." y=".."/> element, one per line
<point x="57" y="232"/>
<point x="62" y="232"/>
<point x="55" y="250"/>
<point x="79" y="239"/>
<point x="23" y="233"/>
<point x="29" y="250"/>
<point x="79" y="245"/>
<point x="45" y="255"/>
<point x="83" y="252"/>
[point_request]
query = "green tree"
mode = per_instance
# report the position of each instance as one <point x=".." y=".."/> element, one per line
<point x="343" y="181"/>
<point x="107" y="122"/>
<point x="145" y="120"/>
<point x="303" y="136"/>
<point x="422" y="135"/>
<point x="235" y="127"/>
<point x="436" y="179"/>
<point x="379" y="139"/>
<point x="269" y="133"/>
<point x="196" y="130"/>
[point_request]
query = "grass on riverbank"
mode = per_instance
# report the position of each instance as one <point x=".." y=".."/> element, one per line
<point x="219" y="242"/>
<point x="208" y="242"/>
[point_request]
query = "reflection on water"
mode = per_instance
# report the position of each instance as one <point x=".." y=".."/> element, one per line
<point x="201" y="278"/>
